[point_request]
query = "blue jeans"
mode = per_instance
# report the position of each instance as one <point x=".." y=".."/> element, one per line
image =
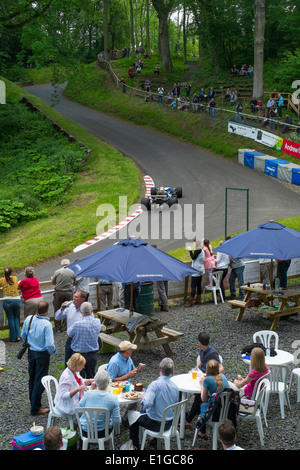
<point x="12" y="309"/>
<point x="160" y="99"/>
<point x="237" y="273"/>
<point x="238" y="117"/>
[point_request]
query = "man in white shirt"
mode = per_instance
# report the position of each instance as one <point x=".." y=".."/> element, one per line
<point x="70" y="311"/>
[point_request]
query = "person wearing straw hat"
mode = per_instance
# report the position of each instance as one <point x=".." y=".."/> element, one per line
<point x="121" y="366"/>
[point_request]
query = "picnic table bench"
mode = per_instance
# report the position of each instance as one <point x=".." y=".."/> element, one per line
<point x="146" y="335"/>
<point x="267" y="298"/>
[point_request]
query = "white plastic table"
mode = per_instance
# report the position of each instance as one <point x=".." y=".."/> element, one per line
<point x="187" y="385"/>
<point x="282" y="358"/>
<point x="127" y="402"/>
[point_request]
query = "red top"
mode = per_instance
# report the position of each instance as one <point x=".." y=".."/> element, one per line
<point x="30" y="288"/>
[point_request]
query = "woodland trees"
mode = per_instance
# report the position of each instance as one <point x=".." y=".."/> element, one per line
<point x="220" y="32"/>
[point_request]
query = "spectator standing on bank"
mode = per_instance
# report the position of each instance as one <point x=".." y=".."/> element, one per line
<point x="160" y="91"/>
<point x="280" y="104"/>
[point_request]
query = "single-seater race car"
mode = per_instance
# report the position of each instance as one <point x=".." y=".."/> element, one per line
<point x="160" y="196"/>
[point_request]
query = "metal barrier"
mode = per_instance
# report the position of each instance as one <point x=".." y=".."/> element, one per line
<point x="222" y="115"/>
<point x="175" y="289"/>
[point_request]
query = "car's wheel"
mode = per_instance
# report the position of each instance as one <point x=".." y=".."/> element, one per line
<point x="153" y="191"/>
<point x="145" y="201"/>
<point x="173" y="200"/>
<point x="178" y="191"/>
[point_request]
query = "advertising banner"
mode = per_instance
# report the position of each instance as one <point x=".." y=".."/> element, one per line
<point x="291" y="148"/>
<point x="271" y="140"/>
<point x="242" y="129"/>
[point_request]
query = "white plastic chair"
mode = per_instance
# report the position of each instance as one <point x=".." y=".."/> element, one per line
<point x="279" y="384"/>
<point x="50" y="383"/>
<point x="256" y="389"/>
<point x="295" y="373"/>
<point x="266" y="337"/>
<point x="261" y="405"/>
<point x="215" y="286"/>
<point x="91" y="417"/>
<point x="225" y="402"/>
<point x="102" y="367"/>
<point x="171" y="432"/>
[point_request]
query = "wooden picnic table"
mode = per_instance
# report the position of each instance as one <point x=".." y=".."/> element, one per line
<point x="268" y="297"/>
<point x="145" y="337"/>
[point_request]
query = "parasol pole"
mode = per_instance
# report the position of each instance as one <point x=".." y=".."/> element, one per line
<point x="131" y="301"/>
<point x="272" y="281"/>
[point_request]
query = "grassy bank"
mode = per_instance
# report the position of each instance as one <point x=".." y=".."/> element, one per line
<point x="106" y="175"/>
<point x="93" y="87"/>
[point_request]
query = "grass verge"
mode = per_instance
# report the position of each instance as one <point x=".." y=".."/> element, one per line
<point x="106" y="175"/>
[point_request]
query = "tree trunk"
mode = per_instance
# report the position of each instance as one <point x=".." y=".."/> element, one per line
<point x="259" y="41"/>
<point x="184" y="32"/>
<point x="105" y="30"/>
<point x="132" y="48"/>
<point x="163" y="9"/>
<point x="147" y="27"/>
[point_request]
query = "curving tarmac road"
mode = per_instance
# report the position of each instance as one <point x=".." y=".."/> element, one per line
<point x="203" y="176"/>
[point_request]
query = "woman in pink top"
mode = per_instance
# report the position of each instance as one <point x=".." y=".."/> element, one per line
<point x="258" y="369"/>
<point x="30" y="289"/>
<point x="209" y="260"/>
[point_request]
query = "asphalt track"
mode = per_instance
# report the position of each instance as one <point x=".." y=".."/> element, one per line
<point x="169" y="162"/>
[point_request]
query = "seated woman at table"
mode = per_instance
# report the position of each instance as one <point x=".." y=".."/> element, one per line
<point x="258" y="369"/>
<point x="213" y="382"/>
<point x="121" y="366"/>
<point x="101" y="398"/>
<point x="71" y="385"/>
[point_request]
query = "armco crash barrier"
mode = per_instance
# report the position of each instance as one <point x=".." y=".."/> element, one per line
<point x="276" y="167"/>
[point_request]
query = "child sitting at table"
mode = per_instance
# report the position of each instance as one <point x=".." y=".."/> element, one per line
<point x="213" y="382"/>
<point x="258" y="369"/>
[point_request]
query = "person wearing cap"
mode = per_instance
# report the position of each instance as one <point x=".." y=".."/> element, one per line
<point x="63" y="280"/>
<point x="121" y="366"/>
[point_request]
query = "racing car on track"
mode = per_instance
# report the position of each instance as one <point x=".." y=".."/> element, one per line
<point x="162" y="195"/>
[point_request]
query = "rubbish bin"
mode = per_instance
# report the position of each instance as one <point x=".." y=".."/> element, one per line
<point x="145" y="300"/>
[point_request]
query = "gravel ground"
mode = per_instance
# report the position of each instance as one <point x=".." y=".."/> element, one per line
<point x="227" y="335"/>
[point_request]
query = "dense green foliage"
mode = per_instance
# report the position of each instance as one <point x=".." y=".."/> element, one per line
<point x="37" y="164"/>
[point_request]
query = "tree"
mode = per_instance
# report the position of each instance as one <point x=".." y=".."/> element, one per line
<point x="163" y="9"/>
<point x="17" y="13"/>
<point x="259" y="42"/>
